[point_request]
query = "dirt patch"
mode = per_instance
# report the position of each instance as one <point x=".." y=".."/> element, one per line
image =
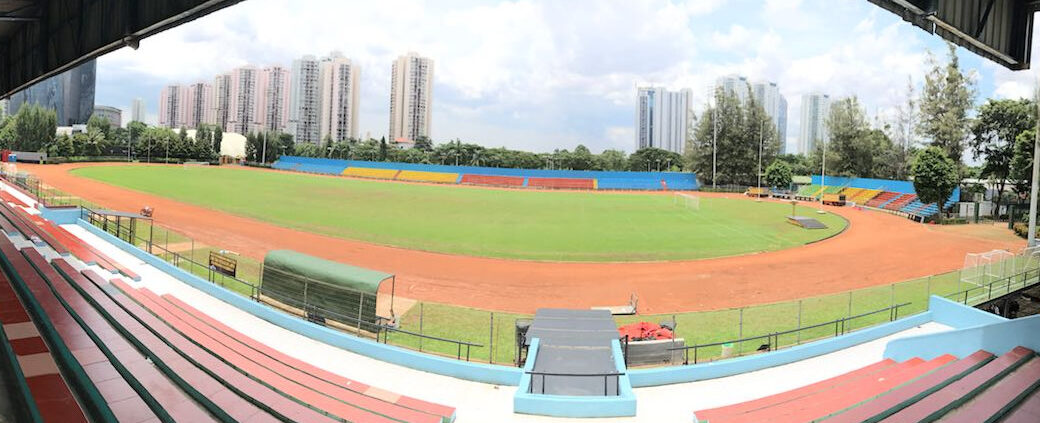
<point x="876" y="249"/>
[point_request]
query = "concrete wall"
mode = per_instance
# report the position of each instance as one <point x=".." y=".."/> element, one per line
<point x="623" y="405"/>
<point x="974" y="330"/>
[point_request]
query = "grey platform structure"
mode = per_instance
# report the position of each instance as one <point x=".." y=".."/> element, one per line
<point x="574" y="355"/>
<point x="806" y="222"/>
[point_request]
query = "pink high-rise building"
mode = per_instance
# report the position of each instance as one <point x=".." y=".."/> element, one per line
<point x="171" y="106"/>
<point x="197" y="98"/>
<point x="242" y="100"/>
<point x="273" y="99"/>
<point x="339" y="80"/>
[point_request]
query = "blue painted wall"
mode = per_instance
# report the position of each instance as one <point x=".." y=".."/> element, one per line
<point x="997" y="337"/>
<point x="61" y="216"/>
<point x="499" y="375"/>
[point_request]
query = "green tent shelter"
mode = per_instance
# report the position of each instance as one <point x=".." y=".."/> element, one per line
<point x="325" y="289"/>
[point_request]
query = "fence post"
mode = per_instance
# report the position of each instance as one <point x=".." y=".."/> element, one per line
<point x="491" y="339"/>
<point x="361" y="306"/>
<point x="929" y="293"/>
<point x="740" y="332"/>
<point x="420" y="326"/>
<point x="799" y="322"/>
<point x="892" y="301"/>
<point x="849" y="314"/>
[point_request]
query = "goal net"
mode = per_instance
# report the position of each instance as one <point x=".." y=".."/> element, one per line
<point x="1030" y="258"/>
<point x="688" y="201"/>
<point x="981" y="269"/>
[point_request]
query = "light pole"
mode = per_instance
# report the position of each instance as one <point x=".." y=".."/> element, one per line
<point x="714" y="143"/>
<point x="761" y="128"/>
<point x="263" y="155"/>
<point x="1036" y="175"/>
<point x="658" y="164"/>
<point x="823" y="173"/>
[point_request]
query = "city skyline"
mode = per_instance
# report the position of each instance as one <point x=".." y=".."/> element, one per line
<point x="551" y="78"/>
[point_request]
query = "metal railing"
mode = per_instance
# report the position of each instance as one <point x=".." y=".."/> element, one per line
<point x="605" y="376"/>
<point x="841" y="327"/>
<point x="983" y="293"/>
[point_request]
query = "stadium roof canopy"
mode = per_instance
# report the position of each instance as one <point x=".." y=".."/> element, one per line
<point x="999" y="30"/>
<point x="41" y="38"/>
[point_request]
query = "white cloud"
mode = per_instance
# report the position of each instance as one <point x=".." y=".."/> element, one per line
<point x="541" y="74"/>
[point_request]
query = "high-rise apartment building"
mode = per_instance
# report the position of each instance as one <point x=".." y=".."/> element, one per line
<point x="70" y="94"/>
<point x="242" y="101"/>
<point x="273" y="100"/>
<point x="221" y="101"/>
<point x="768" y="95"/>
<point x="815" y="108"/>
<point x="137" y="110"/>
<point x="735" y="84"/>
<point x="305" y="100"/>
<point x="411" y="97"/>
<point x="663" y="118"/>
<point x="171" y="106"/>
<point x="340" y="79"/>
<point x="197" y="99"/>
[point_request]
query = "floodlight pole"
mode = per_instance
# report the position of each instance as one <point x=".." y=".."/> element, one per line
<point x="714" y="143"/>
<point x="761" y="127"/>
<point x="1036" y="175"/>
<point x="823" y="172"/>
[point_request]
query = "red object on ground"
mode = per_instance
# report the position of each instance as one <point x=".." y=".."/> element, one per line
<point x="644" y="331"/>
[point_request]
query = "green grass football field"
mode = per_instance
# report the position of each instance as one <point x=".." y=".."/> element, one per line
<point x="515" y="224"/>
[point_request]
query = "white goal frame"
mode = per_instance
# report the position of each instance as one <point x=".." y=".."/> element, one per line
<point x="688" y="201"/>
<point x="981" y="269"/>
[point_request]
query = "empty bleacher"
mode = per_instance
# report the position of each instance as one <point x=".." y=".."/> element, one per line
<point x="561" y="183"/>
<point x="899" y="202"/>
<point x="508" y="177"/>
<point x="882" y="198"/>
<point x="864" y="195"/>
<point x="367" y="172"/>
<point x="421" y="176"/>
<point x="492" y="180"/>
<point x="120" y="361"/>
<point x="976" y="388"/>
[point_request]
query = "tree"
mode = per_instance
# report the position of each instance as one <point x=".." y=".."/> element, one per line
<point x="424" y="143"/>
<point x="581" y="159"/>
<point x="651" y="159"/>
<point x="945" y="105"/>
<point x="798" y="163"/>
<point x="778" y="175"/>
<point x="98" y="123"/>
<point x="848" y="128"/>
<point x="935" y="176"/>
<point x="730" y="134"/>
<point x="996" y="128"/>
<point x="218" y="138"/>
<point x="1022" y="163"/>
<point x="382" y="149"/>
<point x="902" y="132"/>
<point x="34" y="128"/>
<point x="614" y="160"/>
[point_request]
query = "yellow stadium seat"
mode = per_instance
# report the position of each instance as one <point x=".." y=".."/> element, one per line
<point x="421" y="176"/>
<point x="367" y="172"/>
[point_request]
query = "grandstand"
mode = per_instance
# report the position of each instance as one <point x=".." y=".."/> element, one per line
<point x="502" y="177"/>
<point x="894" y="196"/>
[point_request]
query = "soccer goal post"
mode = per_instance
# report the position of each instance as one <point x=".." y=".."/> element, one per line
<point x="686" y="200"/>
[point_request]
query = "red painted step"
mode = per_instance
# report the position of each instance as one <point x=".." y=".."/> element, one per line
<point x="215" y="383"/>
<point x="338" y="401"/>
<point x="414" y="403"/>
<point x="990" y="404"/>
<point x="935" y="404"/>
<point x="794" y="394"/>
<point x="1026" y="412"/>
<point x="830" y="401"/>
<point x="893" y="401"/>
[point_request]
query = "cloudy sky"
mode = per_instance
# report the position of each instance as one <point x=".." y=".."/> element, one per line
<point x="539" y="75"/>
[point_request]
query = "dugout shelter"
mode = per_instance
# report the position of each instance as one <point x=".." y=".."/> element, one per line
<point x="325" y="290"/>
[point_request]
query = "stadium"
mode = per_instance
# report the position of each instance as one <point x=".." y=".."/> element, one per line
<point x="321" y="289"/>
